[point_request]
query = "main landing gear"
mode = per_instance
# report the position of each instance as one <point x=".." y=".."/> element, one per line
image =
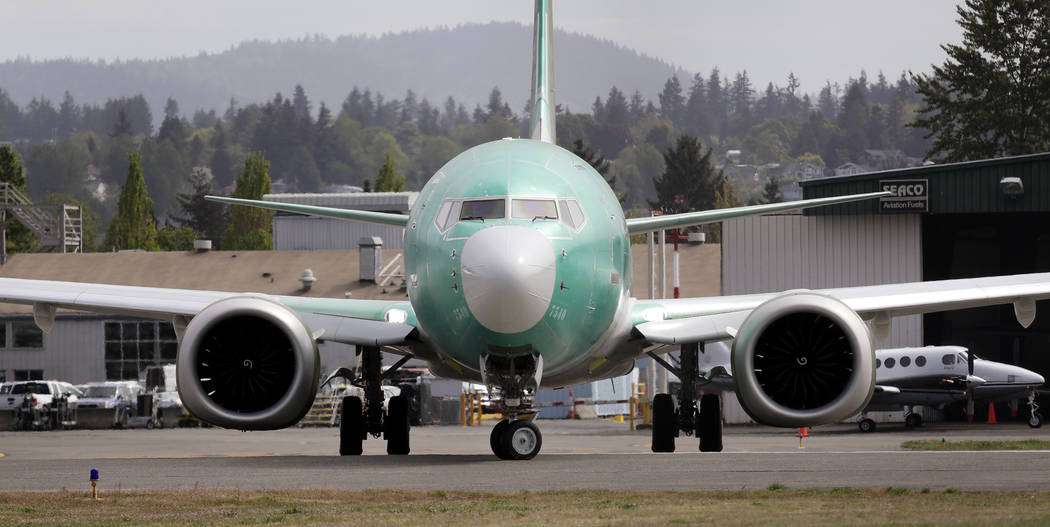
<point x="705" y="422"/>
<point x="363" y="418"/>
<point x="1035" y="419"/>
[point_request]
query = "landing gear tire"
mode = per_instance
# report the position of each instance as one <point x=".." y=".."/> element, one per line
<point x="866" y="425"/>
<point x="351" y="427"/>
<point x="665" y="424"/>
<point x="710" y="423"/>
<point x="520" y="440"/>
<point x="396" y="427"/>
<point x="1035" y="420"/>
<point x="913" y="420"/>
<point x="496" y="439"/>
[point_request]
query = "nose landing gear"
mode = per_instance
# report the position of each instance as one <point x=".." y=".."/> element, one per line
<point x="515" y="440"/>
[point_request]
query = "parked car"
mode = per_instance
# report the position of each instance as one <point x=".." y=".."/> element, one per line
<point x="107" y="404"/>
<point x="40" y="405"/>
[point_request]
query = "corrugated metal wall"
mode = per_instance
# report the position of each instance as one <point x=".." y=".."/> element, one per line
<point x="780" y="252"/>
<point x="295" y="232"/>
<point x="72" y="352"/>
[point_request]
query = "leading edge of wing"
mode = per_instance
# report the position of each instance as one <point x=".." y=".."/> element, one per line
<point x="674" y="321"/>
<point x="350" y="321"/>
<point x="366" y="216"/>
<point x="685" y="219"/>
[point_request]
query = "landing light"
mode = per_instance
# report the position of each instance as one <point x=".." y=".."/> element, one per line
<point x="396" y="316"/>
<point x="653" y="314"/>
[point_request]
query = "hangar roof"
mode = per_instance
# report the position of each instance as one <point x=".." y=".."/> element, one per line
<point x="954" y="188"/>
<point x="271" y="272"/>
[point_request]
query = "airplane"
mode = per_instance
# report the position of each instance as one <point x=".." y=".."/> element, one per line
<point x="908" y="377"/>
<point x="517" y="258"/>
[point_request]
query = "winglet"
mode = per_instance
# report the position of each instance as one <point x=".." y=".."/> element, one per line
<point x="542" y="126"/>
<point x="366" y="216"/>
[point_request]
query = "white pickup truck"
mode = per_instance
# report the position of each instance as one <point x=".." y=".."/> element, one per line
<point x="39" y="404"/>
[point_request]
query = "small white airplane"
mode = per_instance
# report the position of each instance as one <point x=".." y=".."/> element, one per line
<point x="907" y="377"/>
<point x="518" y="263"/>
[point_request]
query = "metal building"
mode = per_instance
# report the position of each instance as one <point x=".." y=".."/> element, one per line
<point x="299" y="232"/>
<point x="959" y="220"/>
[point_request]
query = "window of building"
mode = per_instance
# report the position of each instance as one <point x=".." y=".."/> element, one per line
<point x="905" y="362"/>
<point x="132" y="346"/>
<point x="29" y="375"/>
<point x="920" y="361"/>
<point x="3" y="335"/>
<point x="889" y="362"/>
<point x="27" y="335"/>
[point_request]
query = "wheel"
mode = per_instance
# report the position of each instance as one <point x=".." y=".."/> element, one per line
<point x="665" y="425"/>
<point x="396" y="427"/>
<point x="1035" y="420"/>
<point x="866" y="425"/>
<point x="913" y="420"/>
<point x="710" y="424"/>
<point x="496" y="439"/>
<point x="149" y="425"/>
<point x="521" y="440"/>
<point x="351" y="427"/>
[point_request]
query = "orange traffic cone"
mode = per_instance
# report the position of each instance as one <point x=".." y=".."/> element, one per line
<point x="572" y="407"/>
<point x="991" y="414"/>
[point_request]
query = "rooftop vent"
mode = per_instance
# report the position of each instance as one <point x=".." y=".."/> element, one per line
<point x="308" y="279"/>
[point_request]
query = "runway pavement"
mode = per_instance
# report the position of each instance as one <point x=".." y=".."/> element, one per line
<point x="576" y="454"/>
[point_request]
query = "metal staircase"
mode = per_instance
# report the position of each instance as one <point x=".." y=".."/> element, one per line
<point x="59" y="228"/>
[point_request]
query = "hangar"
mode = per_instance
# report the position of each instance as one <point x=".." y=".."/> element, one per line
<point x="959" y="220"/>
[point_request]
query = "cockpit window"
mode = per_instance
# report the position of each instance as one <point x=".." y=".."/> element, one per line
<point x="571" y="214"/>
<point x="443" y="220"/>
<point x="948" y="360"/>
<point x="483" y="209"/>
<point x="533" y="209"/>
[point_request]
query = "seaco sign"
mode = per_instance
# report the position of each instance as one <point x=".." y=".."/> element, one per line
<point x="908" y="195"/>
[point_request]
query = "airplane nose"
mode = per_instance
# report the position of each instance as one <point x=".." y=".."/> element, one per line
<point x="508" y="274"/>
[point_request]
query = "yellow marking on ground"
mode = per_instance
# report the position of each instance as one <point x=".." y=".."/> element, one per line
<point x="1" y="454"/>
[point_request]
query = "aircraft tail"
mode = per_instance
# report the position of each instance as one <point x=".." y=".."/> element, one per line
<point x="542" y="126"/>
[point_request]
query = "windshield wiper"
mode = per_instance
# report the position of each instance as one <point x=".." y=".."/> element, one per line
<point x="544" y="218"/>
<point x="474" y="218"/>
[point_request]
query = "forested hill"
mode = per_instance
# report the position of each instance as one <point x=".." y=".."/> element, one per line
<point x="465" y="62"/>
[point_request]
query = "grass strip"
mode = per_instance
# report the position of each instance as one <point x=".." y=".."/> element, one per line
<point x="775" y="506"/>
<point x="934" y="444"/>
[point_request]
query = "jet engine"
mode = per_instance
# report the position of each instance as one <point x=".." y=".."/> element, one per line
<point x="248" y="363"/>
<point x="803" y="359"/>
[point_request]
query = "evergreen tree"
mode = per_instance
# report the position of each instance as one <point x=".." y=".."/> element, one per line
<point x="205" y="217"/>
<point x="300" y="103"/>
<point x="598" y="162"/>
<point x="771" y="191"/>
<point x="616" y="108"/>
<point x="854" y="119"/>
<point x="122" y="126"/>
<point x="672" y="103"/>
<point x="133" y="227"/>
<point x="689" y="173"/>
<point x="250" y="228"/>
<point x="221" y="162"/>
<point x="12" y="172"/>
<point x="696" y="120"/>
<point x="171" y="109"/>
<point x="389" y="179"/>
<point x="989" y="98"/>
<point x="827" y="102"/>
<point x="725" y="194"/>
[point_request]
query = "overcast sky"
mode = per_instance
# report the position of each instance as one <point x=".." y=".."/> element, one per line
<point x="817" y="39"/>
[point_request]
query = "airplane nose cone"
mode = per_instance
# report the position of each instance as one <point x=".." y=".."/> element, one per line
<point x="508" y="277"/>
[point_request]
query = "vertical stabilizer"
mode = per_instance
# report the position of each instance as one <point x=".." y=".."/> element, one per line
<point x="542" y="125"/>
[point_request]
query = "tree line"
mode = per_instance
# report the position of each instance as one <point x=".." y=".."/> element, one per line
<point x="980" y="103"/>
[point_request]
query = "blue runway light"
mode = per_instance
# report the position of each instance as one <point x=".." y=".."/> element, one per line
<point x="94" y="474"/>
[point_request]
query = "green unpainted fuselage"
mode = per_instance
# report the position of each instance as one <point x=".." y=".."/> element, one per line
<point x="592" y="276"/>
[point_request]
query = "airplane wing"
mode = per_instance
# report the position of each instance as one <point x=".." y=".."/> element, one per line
<point x="675" y="321"/>
<point x="366" y="216"/>
<point x="350" y="321"/>
<point x="685" y="219"/>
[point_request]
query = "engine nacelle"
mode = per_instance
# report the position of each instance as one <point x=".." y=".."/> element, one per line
<point x="803" y="359"/>
<point x="248" y="363"/>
